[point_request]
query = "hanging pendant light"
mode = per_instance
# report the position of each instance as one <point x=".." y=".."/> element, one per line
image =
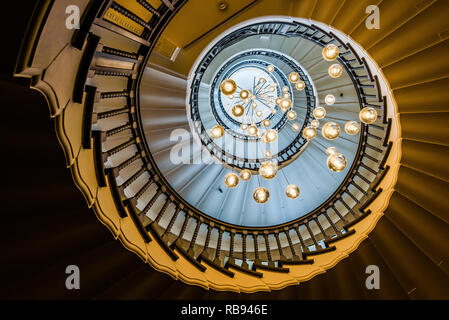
<point x="266" y="123"/>
<point x="268" y="170"/>
<point x="270" y="68"/>
<point x="330" y="52"/>
<point x="245" y="175"/>
<point x="300" y="85"/>
<point x="244" y="94"/>
<point x="329" y="99"/>
<point x="309" y="133"/>
<point x="238" y="110"/>
<point x="216" y="132"/>
<point x="293" y="77"/>
<point x="352" y="127"/>
<point x="261" y="195"/>
<point x="270" y="136"/>
<point x="368" y="115"/>
<point x="231" y="180"/>
<point x="292" y="191"/>
<point x="336" y="162"/>
<point x="319" y="112"/>
<point x="314" y="123"/>
<point x="295" y="126"/>
<point x="291" y="115"/>
<point x="331" y="130"/>
<point x="331" y="151"/>
<point x="228" y="87"/>
<point x="335" y="70"/>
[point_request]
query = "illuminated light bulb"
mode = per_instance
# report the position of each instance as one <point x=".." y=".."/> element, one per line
<point x="270" y="68"/>
<point x="216" y="131"/>
<point x="253" y="97"/>
<point x="254" y="105"/>
<point x="228" y="87"/>
<point x="352" y="128"/>
<point x="238" y="110"/>
<point x="336" y="162"/>
<point x="330" y="52"/>
<point x="291" y="115"/>
<point x="261" y="195"/>
<point x="231" y="180"/>
<point x="245" y="175"/>
<point x="286" y="95"/>
<point x="285" y="89"/>
<point x="329" y="99"/>
<point x="258" y="113"/>
<point x="335" y="70"/>
<point x="292" y="191"/>
<point x="295" y="126"/>
<point x="274" y="111"/>
<point x="319" y="112"/>
<point x="293" y="77"/>
<point x="252" y="130"/>
<point x="331" y="151"/>
<point x="243" y="126"/>
<point x="244" y="94"/>
<point x="267" y="154"/>
<point x="247" y="100"/>
<point x="315" y="123"/>
<point x="270" y="136"/>
<point x="271" y="89"/>
<point x="268" y="170"/>
<point x="368" y="115"/>
<point x="231" y="96"/>
<point x="266" y="123"/>
<point x="331" y="130"/>
<point x="285" y="104"/>
<point x="278" y="100"/>
<point x="257" y="87"/>
<point x="300" y="85"/>
<point x="262" y="80"/>
<point x="264" y="96"/>
<point x="309" y="133"/>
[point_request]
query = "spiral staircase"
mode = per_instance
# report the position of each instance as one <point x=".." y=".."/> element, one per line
<point x="110" y="108"/>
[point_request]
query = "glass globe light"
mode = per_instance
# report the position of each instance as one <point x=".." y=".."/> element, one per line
<point x="292" y="191"/>
<point x="261" y="195"/>
<point x="231" y="180"/>
<point x="262" y="80"/>
<point x="291" y="115"/>
<point x="243" y="126"/>
<point x="368" y="115"/>
<point x="268" y="170"/>
<point x="286" y="95"/>
<point x="247" y="100"/>
<point x="314" y="123"/>
<point x="271" y="89"/>
<point x="245" y="175"/>
<point x="231" y="96"/>
<point x="285" y="104"/>
<point x="216" y="131"/>
<point x="274" y="111"/>
<point x="278" y="100"/>
<point x="252" y="130"/>
<point x="329" y="99"/>
<point x="335" y="70"/>
<point x="266" y="123"/>
<point x="295" y="126"/>
<point x="300" y="85"/>
<point x="284" y="89"/>
<point x="352" y="127"/>
<point x="270" y="136"/>
<point x="309" y="133"/>
<point x="331" y="151"/>
<point x="259" y="113"/>
<point x="244" y="94"/>
<point x="228" y="86"/>
<point x="293" y="77"/>
<point x="330" y="52"/>
<point x="336" y="162"/>
<point x="331" y="130"/>
<point x="254" y="105"/>
<point x="238" y="110"/>
<point x="270" y="68"/>
<point x="319" y="112"/>
<point x="267" y="154"/>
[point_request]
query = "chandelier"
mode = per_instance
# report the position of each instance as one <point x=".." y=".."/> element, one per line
<point x="253" y="105"/>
